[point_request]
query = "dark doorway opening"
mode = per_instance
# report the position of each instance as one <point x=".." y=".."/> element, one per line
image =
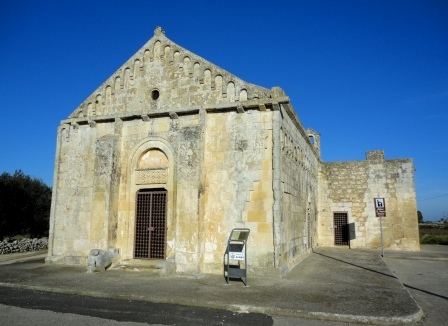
<point x="341" y="231"/>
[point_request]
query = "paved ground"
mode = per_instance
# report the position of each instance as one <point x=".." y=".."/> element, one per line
<point x="331" y="284"/>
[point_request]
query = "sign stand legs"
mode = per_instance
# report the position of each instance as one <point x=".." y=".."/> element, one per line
<point x="234" y="252"/>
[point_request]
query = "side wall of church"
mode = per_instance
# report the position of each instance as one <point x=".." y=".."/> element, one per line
<point x="351" y="187"/>
<point x="296" y="193"/>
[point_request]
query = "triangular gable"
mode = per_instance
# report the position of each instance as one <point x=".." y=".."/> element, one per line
<point x="162" y="77"/>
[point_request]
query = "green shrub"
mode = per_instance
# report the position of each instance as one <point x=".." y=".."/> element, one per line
<point x="24" y="205"/>
<point x="434" y="239"/>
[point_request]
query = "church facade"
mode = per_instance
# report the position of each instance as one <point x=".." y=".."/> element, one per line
<point x="171" y="153"/>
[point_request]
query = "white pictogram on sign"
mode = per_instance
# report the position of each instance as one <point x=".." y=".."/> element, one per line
<point x="379" y="202"/>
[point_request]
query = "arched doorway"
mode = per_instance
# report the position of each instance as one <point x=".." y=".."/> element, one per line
<point x="151" y="204"/>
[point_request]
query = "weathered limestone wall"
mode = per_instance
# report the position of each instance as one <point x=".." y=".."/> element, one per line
<point x="181" y="81"/>
<point x="351" y="187"/>
<point x="237" y="190"/>
<point x="180" y="140"/>
<point x="78" y="179"/>
<point x="298" y="165"/>
<point x="96" y="186"/>
<point x="219" y="178"/>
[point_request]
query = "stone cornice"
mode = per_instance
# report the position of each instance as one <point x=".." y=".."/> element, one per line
<point x="261" y="105"/>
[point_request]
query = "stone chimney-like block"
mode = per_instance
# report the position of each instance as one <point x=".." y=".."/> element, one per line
<point x="375" y="156"/>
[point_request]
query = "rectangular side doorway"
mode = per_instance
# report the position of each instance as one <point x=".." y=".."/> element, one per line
<point x="340" y="229"/>
<point x="150" y="224"/>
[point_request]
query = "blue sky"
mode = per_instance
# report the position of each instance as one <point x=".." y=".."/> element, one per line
<point x="365" y="74"/>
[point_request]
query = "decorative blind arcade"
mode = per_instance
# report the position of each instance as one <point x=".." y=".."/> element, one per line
<point x="150" y="228"/>
<point x="151" y="176"/>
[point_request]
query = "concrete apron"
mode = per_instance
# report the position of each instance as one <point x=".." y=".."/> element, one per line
<point x="7" y="259"/>
<point x="331" y="284"/>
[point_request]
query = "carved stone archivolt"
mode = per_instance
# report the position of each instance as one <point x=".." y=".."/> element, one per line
<point x="151" y="176"/>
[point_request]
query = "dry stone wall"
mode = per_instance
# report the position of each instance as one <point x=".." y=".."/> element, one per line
<point x="11" y="245"/>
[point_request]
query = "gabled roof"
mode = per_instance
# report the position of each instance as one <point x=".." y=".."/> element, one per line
<point x="164" y="77"/>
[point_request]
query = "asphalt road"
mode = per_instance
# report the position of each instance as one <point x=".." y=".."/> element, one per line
<point x="15" y="316"/>
<point x="20" y="307"/>
<point x="124" y="310"/>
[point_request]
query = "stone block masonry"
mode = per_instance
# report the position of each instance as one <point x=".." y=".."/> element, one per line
<point x="351" y="187"/>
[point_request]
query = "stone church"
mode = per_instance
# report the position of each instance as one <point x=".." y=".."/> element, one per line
<point x="171" y="153"/>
